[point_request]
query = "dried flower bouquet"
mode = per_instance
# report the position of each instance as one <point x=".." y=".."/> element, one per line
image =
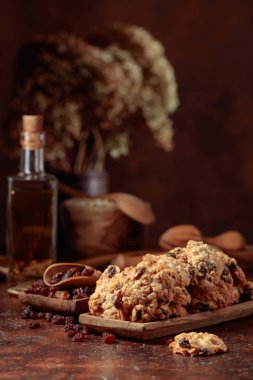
<point x="88" y="89"/>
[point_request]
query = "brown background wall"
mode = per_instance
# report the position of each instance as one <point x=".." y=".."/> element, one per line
<point x="208" y="178"/>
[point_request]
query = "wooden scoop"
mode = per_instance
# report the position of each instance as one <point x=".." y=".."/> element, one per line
<point x="71" y="281"/>
<point x="54" y="304"/>
<point x="132" y="206"/>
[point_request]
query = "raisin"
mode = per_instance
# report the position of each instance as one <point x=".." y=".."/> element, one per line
<point x="76" y="274"/>
<point x="232" y="266"/>
<point x="44" y="291"/>
<point x="210" y="266"/>
<point x="225" y="276"/>
<point x="246" y="296"/>
<point x="109" y="338"/>
<point x="184" y="343"/>
<point x="79" y="297"/>
<point x="51" y="292"/>
<point x="25" y="315"/>
<point x="80" y="293"/>
<point x="87" y="271"/>
<point x="139" y="315"/>
<point x="191" y="270"/>
<point x="139" y="272"/>
<point x="29" y="290"/>
<point x="171" y="254"/>
<point x="62" y="294"/>
<point x="58" y="319"/>
<point x="203" y="269"/>
<point x="68" y="327"/>
<point x="33" y="315"/>
<point x="56" y="278"/>
<point x="26" y="312"/>
<point x="111" y="271"/>
<point x="79" y="337"/>
<point x="118" y="300"/>
<point x="71" y="333"/>
<point x="41" y="315"/>
<point x="203" y="307"/>
<point x="49" y="316"/>
<point x="70" y="273"/>
<point x="34" y="325"/>
<point x="69" y="320"/>
<point x="204" y="351"/>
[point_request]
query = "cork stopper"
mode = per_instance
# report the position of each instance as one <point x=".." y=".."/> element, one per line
<point x="32" y="135"/>
<point x="32" y="123"/>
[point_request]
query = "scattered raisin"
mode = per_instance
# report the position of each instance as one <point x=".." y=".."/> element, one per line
<point x="79" y="293"/>
<point x="58" y="319"/>
<point x="109" y="338"/>
<point x="41" y="315"/>
<point x="62" y="294"/>
<point x="49" y="316"/>
<point x="69" y="320"/>
<point x="26" y="312"/>
<point x="44" y="291"/>
<point x="33" y="315"/>
<point x="52" y="292"/>
<point x="34" y="325"/>
<point x="29" y="290"/>
<point x="71" y="333"/>
<point x="79" y="337"/>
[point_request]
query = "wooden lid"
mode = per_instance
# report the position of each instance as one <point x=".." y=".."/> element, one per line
<point x="32" y="123"/>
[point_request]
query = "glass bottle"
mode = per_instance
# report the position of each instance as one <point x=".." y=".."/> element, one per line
<point x="31" y="208"/>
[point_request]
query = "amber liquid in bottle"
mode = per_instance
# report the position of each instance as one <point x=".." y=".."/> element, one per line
<point x="31" y="208"/>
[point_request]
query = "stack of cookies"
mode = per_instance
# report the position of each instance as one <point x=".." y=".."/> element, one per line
<point x="196" y="278"/>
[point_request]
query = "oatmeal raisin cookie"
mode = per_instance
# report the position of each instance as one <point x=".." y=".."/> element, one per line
<point x="197" y="344"/>
<point x="220" y="282"/>
<point x="153" y="290"/>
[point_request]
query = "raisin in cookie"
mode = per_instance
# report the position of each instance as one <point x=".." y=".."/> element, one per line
<point x="220" y="282"/>
<point x="197" y="344"/>
<point x="153" y="290"/>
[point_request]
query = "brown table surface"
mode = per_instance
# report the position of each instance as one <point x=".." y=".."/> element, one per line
<point x="47" y="353"/>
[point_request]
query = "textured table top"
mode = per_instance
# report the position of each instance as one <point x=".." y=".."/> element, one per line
<point x="47" y="353"/>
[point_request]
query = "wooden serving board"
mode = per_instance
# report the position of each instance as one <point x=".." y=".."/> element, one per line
<point x="151" y="330"/>
<point x="55" y="305"/>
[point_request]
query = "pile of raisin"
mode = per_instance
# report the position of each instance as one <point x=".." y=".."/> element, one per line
<point x="72" y="272"/>
<point x="40" y="288"/>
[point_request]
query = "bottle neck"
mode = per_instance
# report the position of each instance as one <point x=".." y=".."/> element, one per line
<point x="32" y="161"/>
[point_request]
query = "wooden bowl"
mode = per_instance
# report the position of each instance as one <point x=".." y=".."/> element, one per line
<point x="96" y="226"/>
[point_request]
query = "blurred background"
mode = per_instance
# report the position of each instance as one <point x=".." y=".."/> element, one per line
<point x="207" y="179"/>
